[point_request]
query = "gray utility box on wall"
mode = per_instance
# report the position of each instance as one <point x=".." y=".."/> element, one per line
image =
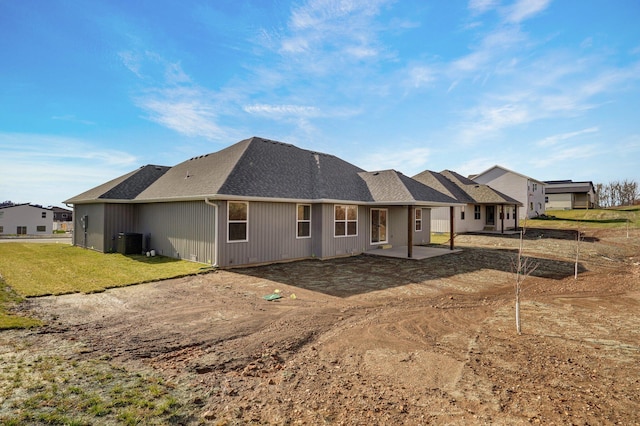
<point x="129" y="243"/>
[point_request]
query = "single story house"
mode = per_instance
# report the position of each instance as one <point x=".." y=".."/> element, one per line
<point x="257" y="201"/>
<point x="26" y="219"/>
<point x="527" y="190"/>
<point x="485" y="209"/>
<point x="568" y="195"/>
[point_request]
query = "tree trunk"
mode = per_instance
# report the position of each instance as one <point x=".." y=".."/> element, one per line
<point x="518" y="328"/>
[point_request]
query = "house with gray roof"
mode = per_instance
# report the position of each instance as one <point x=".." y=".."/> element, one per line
<point x="257" y="201"/>
<point x="568" y="195"/>
<point x="485" y="208"/>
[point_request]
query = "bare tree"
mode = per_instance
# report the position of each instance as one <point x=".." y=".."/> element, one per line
<point x="523" y="266"/>
<point x="579" y="238"/>
<point x="617" y="193"/>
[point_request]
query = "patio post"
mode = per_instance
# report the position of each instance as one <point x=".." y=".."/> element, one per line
<point x="451" y="217"/>
<point x="410" y="232"/>
<point x="502" y="217"/>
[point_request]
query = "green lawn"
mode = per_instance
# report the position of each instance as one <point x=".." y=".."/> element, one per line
<point x="38" y="269"/>
<point x="592" y="218"/>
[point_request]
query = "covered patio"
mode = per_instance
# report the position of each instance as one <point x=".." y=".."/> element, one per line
<point x="418" y="252"/>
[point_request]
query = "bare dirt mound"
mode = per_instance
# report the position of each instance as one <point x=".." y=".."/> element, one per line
<point x="368" y="340"/>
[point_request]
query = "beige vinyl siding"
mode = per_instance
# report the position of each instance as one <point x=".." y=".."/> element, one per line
<point x="559" y="201"/>
<point x="398" y="227"/>
<point x="271" y="235"/>
<point x="424" y="236"/>
<point x="183" y="230"/>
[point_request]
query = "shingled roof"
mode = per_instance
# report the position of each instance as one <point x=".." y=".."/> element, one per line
<point x="568" y="186"/>
<point x="126" y="187"/>
<point x="265" y="169"/>
<point x="464" y="189"/>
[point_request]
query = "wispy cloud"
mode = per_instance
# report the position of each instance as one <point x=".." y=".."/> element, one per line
<point x="525" y="9"/>
<point x="72" y="119"/>
<point x="185" y="110"/>
<point x="48" y="169"/>
<point x="482" y="6"/>
<point x="325" y="27"/>
<point x="282" y="110"/>
<point x="560" y="155"/>
<point x="170" y="97"/>
<point x="409" y="161"/>
<point x="555" y="139"/>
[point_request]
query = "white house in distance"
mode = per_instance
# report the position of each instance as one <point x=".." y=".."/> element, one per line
<point x="26" y="219"/>
<point x="567" y="195"/>
<point x="529" y="191"/>
<point x="485" y="210"/>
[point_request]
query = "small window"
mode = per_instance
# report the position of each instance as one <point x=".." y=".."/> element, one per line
<point x="303" y="221"/>
<point x="508" y="211"/>
<point x="44" y="215"/>
<point x="1" y="229"/>
<point x="418" y="220"/>
<point x="531" y="206"/>
<point x="476" y="212"/>
<point x="546" y="200"/>
<point x="345" y="220"/>
<point x="41" y="228"/>
<point x="462" y="214"/>
<point x="238" y="221"/>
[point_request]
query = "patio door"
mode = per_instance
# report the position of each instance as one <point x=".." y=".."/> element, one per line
<point x="491" y="215"/>
<point x="378" y="226"/>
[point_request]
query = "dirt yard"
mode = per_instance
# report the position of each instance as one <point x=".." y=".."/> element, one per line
<point x="371" y="340"/>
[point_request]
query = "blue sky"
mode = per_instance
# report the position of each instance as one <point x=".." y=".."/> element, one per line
<point x="91" y="90"/>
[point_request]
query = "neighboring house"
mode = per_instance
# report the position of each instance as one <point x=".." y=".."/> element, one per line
<point x="62" y="219"/>
<point x="568" y="195"/>
<point x="530" y="192"/>
<point x="485" y="208"/>
<point x="26" y="219"/>
<point x="257" y="201"/>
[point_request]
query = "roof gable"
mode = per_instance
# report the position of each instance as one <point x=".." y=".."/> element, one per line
<point x="504" y="169"/>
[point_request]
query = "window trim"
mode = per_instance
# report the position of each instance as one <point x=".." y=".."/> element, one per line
<point x="386" y="224"/>
<point x="346" y="220"/>
<point x="416" y="220"/>
<point x="246" y="222"/>
<point x="298" y="221"/>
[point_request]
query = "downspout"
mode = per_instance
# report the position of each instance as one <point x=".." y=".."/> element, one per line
<point x="410" y="215"/>
<point x="215" y="227"/>
<point x="451" y="228"/>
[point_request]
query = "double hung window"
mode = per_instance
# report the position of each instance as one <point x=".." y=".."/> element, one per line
<point x="345" y="220"/>
<point x="238" y="221"/>
<point x="303" y="221"/>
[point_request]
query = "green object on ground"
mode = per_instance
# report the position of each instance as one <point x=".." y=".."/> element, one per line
<point x="270" y="297"/>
